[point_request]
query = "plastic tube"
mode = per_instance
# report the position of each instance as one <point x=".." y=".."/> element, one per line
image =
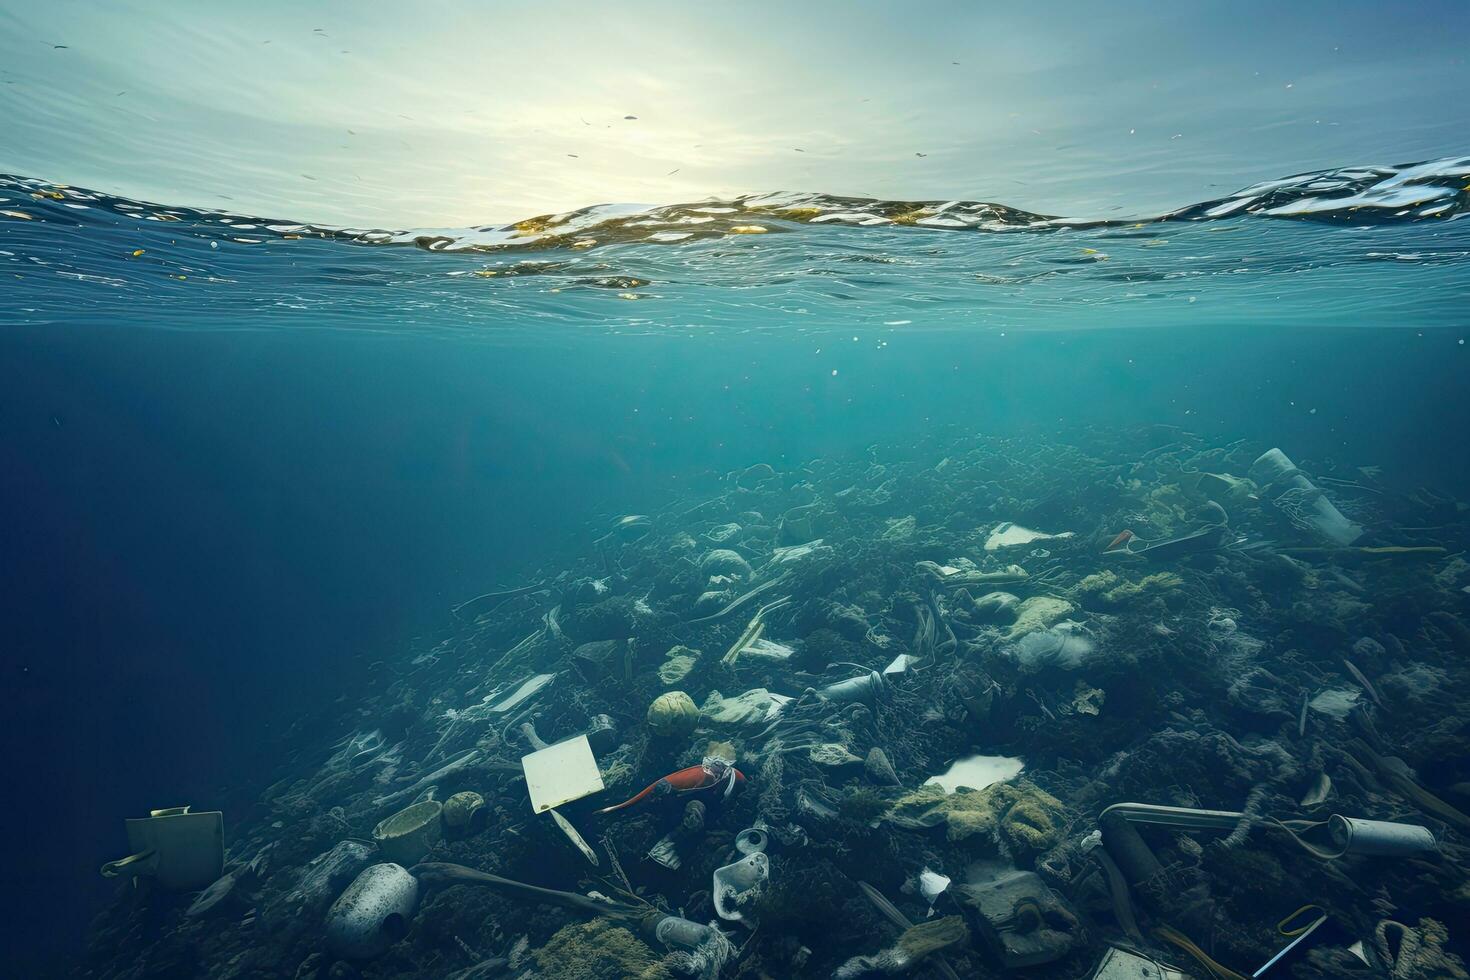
<point x="677" y="933"/>
<point x="1379" y="838"/>
<point x="864" y="687"/>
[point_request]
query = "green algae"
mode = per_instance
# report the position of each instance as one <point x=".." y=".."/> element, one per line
<point x="1037" y="613"/>
<point x="1108" y="588"/>
<point x="599" y="950"/>
<point x="1025" y="818"/>
<point x="927" y="938"/>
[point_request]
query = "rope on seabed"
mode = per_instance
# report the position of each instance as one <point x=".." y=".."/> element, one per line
<point x="1249" y="817"/>
<point x="1214" y="969"/>
<point x="503" y="594"/>
<point x="1348" y="484"/>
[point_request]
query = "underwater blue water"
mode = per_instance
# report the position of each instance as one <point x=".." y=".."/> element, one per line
<point x="245" y="459"/>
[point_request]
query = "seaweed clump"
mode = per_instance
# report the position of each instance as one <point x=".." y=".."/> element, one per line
<point x="917" y="943"/>
<point x="1108" y="588"/>
<point x="1026" y="819"/>
<point x="862" y="805"/>
<point x="599" y="950"/>
<point x="816" y="897"/>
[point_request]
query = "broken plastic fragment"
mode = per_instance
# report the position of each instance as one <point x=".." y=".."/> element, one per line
<point x="1008" y="535"/>
<point x="573" y="836"/>
<point x="739" y="884"/>
<point x="977" y="772"/>
<point x="900" y="665"/>
<point x="522" y="693"/>
<point x="931" y="885"/>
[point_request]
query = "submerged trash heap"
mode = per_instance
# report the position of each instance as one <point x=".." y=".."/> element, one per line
<point x="1160" y="708"/>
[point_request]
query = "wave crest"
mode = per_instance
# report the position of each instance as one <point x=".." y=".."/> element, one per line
<point x="1435" y="189"/>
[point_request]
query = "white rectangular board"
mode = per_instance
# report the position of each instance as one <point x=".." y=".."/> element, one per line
<point x="561" y="773"/>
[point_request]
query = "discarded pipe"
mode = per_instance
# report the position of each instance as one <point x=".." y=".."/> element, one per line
<point x="1133" y="857"/>
<point x="1350" y="835"/>
<point x="676" y="933"/>
<point x="864" y="687"/>
<point x="1379" y="838"/>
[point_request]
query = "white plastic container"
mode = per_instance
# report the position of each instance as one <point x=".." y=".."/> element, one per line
<point x="373" y="913"/>
<point x="1308" y="507"/>
<point x="737" y="884"/>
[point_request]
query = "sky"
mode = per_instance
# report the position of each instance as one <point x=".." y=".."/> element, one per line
<point x="374" y="114"/>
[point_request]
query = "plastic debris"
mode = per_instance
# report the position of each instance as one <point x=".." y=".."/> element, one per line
<point x="1008" y="535"/>
<point x="562" y="773"/>
<point x="373" y="913"/>
<point x="872" y="644"/>
<point x="1299" y="499"/>
<point x="738" y="885"/>
<point x="408" y="835"/>
<point x="179" y="849"/>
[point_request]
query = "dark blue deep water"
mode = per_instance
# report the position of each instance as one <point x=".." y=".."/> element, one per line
<point x="242" y="461"/>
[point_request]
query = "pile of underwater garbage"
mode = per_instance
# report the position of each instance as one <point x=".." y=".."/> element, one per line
<point x="967" y="708"/>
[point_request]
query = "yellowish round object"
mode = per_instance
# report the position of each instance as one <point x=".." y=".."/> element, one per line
<point x="673" y="715"/>
<point x="460" y="810"/>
